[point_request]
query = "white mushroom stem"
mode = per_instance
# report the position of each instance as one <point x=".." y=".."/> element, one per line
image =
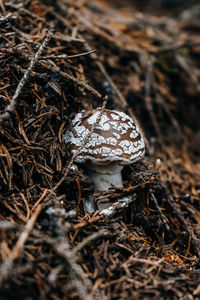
<point x="105" y="181"/>
<point x="106" y="177"/>
<point x="89" y="204"/>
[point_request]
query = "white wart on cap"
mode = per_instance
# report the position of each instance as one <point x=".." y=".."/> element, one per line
<point x="116" y="141"/>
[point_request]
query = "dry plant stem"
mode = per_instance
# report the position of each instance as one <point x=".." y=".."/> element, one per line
<point x="64" y="56"/>
<point x="88" y="239"/>
<point x="69" y="77"/>
<point x="7" y="18"/>
<point x="82" y="54"/>
<point x="12" y="105"/>
<point x="24" y="37"/>
<point x="6" y="267"/>
<point x="144" y="261"/>
<point x="25" y="12"/>
<point x="160" y="212"/>
<point x="175" y="46"/>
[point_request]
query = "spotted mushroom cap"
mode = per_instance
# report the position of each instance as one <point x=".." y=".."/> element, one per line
<point x="116" y="138"/>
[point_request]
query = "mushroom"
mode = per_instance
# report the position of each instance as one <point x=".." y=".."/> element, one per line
<point x="116" y="141"/>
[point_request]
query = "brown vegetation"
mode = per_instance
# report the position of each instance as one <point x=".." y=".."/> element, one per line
<point x="57" y="58"/>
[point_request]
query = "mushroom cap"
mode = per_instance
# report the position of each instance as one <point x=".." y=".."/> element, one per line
<point x="116" y="138"/>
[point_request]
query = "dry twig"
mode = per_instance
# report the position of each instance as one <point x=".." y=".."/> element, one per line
<point x="12" y="105"/>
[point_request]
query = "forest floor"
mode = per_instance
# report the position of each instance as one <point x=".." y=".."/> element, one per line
<point x="57" y="58"/>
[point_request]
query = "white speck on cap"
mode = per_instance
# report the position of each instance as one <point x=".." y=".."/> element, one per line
<point x="115" y="138"/>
